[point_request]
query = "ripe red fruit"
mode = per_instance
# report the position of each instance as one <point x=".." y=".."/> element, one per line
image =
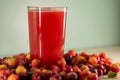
<point x="99" y="72"/>
<point x="76" y="69"/>
<point x="55" y="68"/>
<point x="2" y="73"/>
<point x="35" y="63"/>
<point x="71" y="76"/>
<point x="92" y="76"/>
<point x="20" y="69"/>
<point x="101" y="67"/>
<point x="93" y="60"/>
<point x="11" y="61"/>
<point x="109" y="61"/>
<point x="67" y="68"/>
<point x="93" y="70"/>
<point x="13" y="77"/>
<point x="89" y="65"/>
<point x="21" y="56"/>
<point x="63" y="74"/>
<point x="103" y="55"/>
<point x="107" y="67"/>
<point x="71" y="66"/>
<point x="55" y="77"/>
<point x="72" y="53"/>
<point x="36" y="76"/>
<point x="101" y="62"/>
<point x="84" y="74"/>
<point x="115" y="68"/>
<point x="61" y="62"/>
<point x="95" y="55"/>
<point x="79" y="60"/>
<point x="83" y="67"/>
<point x="85" y="54"/>
<point x="35" y="70"/>
<point x="8" y="72"/>
<point x="68" y="58"/>
<point x="3" y="66"/>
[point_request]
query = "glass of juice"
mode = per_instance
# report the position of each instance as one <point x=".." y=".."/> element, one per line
<point x="47" y="28"/>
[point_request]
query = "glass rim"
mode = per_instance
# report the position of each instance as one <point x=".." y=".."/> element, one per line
<point x="47" y="8"/>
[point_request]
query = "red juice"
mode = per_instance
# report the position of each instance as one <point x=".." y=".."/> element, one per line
<point x="47" y="35"/>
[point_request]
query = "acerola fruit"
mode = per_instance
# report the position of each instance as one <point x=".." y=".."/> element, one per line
<point x="13" y="77"/>
<point x="103" y="55"/>
<point x="93" y="60"/>
<point x="115" y="68"/>
<point x="92" y="76"/>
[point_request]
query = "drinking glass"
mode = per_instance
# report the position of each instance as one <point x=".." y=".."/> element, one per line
<point x="47" y="28"/>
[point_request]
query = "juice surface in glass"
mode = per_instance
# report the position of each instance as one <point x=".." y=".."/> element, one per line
<point x="47" y="35"/>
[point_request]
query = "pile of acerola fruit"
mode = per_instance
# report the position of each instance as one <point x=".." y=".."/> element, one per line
<point x="73" y="66"/>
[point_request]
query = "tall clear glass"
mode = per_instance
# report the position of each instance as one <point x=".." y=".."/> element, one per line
<point x="47" y="28"/>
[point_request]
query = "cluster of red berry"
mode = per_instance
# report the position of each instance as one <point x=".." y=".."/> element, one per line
<point x="73" y="66"/>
